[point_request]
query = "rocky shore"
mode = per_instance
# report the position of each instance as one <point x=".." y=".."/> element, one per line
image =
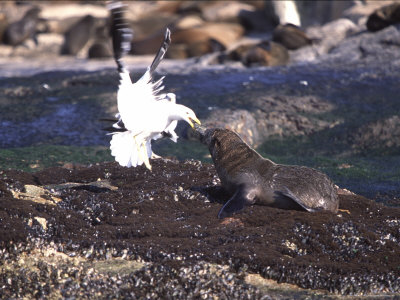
<point x="135" y="233"/>
<point x="75" y="224"/>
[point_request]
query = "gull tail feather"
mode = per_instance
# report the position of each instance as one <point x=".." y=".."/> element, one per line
<point x="125" y="150"/>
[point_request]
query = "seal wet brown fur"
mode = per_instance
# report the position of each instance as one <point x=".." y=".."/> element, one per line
<point x="251" y="179"/>
<point x="18" y="32"/>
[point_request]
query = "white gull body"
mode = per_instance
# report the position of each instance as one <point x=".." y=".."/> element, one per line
<point x="144" y="114"/>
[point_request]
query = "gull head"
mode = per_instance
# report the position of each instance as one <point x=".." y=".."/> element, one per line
<point x="185" y="113"/>
<point x="171" y="97"/>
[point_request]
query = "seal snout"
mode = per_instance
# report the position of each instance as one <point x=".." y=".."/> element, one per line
<point x="205" y="135"/>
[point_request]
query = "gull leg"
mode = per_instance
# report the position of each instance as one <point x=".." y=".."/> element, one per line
<point x="146" y="158"/>
<point x="142" y="150"/>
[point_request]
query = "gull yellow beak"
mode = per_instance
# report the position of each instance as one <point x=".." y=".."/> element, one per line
<point x="194" y="119"/>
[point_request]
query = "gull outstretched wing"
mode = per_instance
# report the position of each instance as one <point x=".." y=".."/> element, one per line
<point x="144" y="113"/>
<point x="133" y="95"/>
<point x="142" y="93"/>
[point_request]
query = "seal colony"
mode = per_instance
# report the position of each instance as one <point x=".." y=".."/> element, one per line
<point x="251" y="179"/>
<point x="144" y="114"/>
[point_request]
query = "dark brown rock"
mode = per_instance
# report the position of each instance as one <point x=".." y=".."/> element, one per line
<point x="384" y="17"/>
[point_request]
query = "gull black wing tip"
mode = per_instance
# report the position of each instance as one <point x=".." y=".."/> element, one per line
<point x="120" y="31"/>
<point x="161" y="52"/>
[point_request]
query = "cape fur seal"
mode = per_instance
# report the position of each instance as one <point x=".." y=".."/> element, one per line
<point x="290" y="36"/>
<point x="251" y="179"/>
<point x="76" y="37"/>
<point x="265" y="53"/>
<point x="20" y="31"/>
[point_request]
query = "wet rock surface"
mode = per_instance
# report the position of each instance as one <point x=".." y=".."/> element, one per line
<point x="65" y="107"/>
<point x="155" y="234"/>
<point x="344" y="113"/>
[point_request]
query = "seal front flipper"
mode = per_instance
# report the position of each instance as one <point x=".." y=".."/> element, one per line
<point x="242" y="197"/>
<point x="286" y="193"/>
<point x="35" y="39"/>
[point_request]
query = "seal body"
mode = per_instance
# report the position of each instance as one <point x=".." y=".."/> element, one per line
<point x="251" y="179"/>
<point x="78" y="35"/>
<point x="384" y="17"/>
<point x="266" y="54"/>
<point x="290" y="36"/>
